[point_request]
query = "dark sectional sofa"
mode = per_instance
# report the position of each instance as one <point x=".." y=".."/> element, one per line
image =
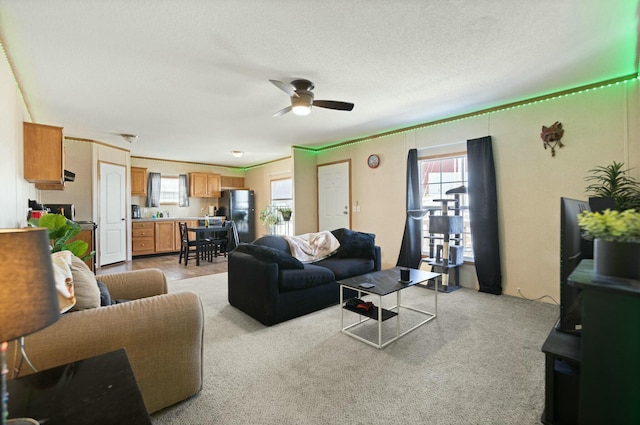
<point x="270" y="285"/>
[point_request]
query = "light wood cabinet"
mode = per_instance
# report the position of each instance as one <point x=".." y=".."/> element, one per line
<point x="142" y="238"/>
<point x="87" y="235"/>
<point x="138" y="181"/>
<point x="165" y="236"/>
<point x="230" y="182"/>
<point x="43" y="154"/>
<point x="213" y="185"/>
<point x="204" y="185"/>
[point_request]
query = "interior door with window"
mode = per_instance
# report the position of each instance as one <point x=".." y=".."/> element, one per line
<point x="334" y="194"/>
<point x="112" y="223"/>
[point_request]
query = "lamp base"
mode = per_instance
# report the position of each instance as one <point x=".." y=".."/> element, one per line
<point x="22" y="421"/>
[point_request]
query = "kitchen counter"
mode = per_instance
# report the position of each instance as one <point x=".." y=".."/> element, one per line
<point x="136" y="220"/>
<point x="158" y="235"/>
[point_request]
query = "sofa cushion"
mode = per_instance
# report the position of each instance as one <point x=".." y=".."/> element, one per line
<point x="355" y="244"/>
<point x="276" y="242"/>
<point x="343" y="268"/>
<point x="274" y="255"/>
<point x="310" y="276"/>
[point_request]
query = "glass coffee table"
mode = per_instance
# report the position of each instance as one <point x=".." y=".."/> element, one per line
<point x="385" y="282"/>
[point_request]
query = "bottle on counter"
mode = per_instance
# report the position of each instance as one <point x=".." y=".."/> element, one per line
<point x="206" y="220"/>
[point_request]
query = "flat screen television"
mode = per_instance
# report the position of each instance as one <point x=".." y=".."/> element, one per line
<point x="573" y="249"/>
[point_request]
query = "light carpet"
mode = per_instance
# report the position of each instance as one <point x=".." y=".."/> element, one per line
<point x="478" y="362"/>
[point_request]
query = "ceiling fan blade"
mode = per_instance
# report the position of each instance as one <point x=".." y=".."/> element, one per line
<point x="282" y="111"/>
<point x="287" y="88"/>
<point x="333" y="104"/>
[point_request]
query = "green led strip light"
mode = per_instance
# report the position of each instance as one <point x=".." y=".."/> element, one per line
<point x="535" y="100"/>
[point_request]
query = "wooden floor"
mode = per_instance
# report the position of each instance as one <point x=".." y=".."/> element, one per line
<point x="168" y="263"/>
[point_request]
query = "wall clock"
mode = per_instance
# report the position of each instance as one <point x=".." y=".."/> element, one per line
<point x="373" y="161"/>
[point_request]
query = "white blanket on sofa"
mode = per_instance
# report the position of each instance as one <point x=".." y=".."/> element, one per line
<point x="312" y="247"/>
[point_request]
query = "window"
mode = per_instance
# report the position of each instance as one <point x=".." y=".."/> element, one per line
<point x="282" y="198"/>
<point x="169" y="189"/>
<point x="437" y="176"/>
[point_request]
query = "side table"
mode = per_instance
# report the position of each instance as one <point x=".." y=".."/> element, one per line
<point x="385" y="282"/>
<point x="97" y="390"/>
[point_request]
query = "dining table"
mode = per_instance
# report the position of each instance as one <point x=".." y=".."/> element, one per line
<point x="201" y="232"/>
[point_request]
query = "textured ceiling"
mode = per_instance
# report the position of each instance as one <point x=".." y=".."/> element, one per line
<point x="190" y="77"/>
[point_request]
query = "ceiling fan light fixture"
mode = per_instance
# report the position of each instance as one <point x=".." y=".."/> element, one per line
<point x="129" y="137"/>
<point x="237" y="154"/>
<point x="301" y="110"/>
<point x="301" y="105"/>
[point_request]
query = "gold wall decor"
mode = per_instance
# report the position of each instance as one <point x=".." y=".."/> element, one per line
<point x="551" y="137"/>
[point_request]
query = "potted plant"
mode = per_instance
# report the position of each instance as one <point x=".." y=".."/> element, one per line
<point x="286" y="213"/>
<point x="61" y="231"/>
<point x="269" y="217"/>
<point x="612" y="181"/>
<point x="616" y="235"/>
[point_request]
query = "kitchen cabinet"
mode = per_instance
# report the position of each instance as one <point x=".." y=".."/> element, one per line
<point x="204" y="185"/>
<point x="165" y="236"/>
<point x="43" y="154"/>
<point x="230" y="182"/>
<point x="142" y="238"/>
<point x="87" y="235"/>
<point x="138" y="181"/>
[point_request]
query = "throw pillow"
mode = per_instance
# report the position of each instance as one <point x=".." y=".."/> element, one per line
<point x="355" y="244"/>
<point x="105" y="296"/>
<point x="85" y="286"/>
<point x="63" y="279"/>
<point x="266" y="253"/>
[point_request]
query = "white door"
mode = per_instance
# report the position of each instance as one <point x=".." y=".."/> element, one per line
<point x="112" y="222"/>
<point x="333" y="196"/>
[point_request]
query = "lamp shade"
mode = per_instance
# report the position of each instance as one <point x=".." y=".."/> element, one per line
<point x="28" y="298"/>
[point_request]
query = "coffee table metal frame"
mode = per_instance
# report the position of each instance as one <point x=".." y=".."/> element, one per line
<point x="386" y="282"/>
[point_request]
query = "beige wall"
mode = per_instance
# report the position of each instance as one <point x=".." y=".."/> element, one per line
<point x="259" y="179"/>
<point x="600" y="125"/>
<point x="15" y="191"/>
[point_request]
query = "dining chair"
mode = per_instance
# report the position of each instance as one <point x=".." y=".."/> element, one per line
<point x="206" y="243"/>
<point x="220" y="241"/>
<point x="188" y="248"/>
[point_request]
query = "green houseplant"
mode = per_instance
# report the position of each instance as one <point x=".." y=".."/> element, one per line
<point x="616" y="235"/>
<point x="269" y="217"/>
<point x="613" y="181"/>
<point x="61" y="231"/>
<point x="286" y="213"/>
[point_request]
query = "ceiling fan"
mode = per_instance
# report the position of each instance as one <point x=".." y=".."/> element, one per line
<point x="302" y="98"/>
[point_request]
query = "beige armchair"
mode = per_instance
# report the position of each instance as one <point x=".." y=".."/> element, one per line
<point x="162" y="334"/>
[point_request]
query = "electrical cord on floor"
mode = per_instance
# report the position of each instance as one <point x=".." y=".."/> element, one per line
<point x="539" y="298"/>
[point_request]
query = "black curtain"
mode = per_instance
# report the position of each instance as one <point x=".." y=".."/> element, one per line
<point x="483" y="214"/>
<point x="410" y="250"/>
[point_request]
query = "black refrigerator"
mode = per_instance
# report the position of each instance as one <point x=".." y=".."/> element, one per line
<point x="238" y="205"/>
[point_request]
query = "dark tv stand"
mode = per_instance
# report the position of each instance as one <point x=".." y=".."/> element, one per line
<point x="609" y="371"/>
<point x="562" y="378"/>
<point x="593" y="378"/>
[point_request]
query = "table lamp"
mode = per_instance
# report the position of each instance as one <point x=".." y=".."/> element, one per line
<point x="28" y="299"/>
